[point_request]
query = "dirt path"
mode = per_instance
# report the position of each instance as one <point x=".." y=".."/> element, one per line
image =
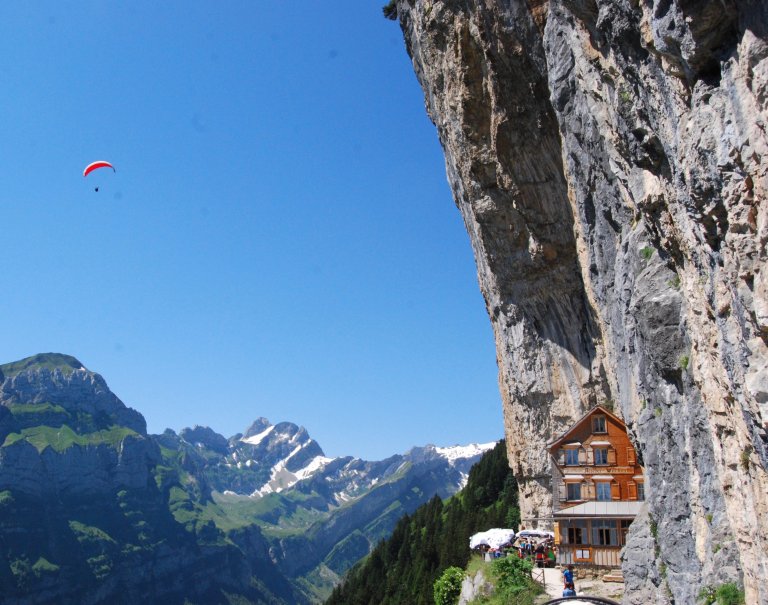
<point x="553" y="584"/>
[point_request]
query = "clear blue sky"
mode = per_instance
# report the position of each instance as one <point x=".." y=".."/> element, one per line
<point x="279" y="239"/>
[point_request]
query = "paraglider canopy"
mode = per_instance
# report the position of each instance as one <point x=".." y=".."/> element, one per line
<point x="98" y="164"/>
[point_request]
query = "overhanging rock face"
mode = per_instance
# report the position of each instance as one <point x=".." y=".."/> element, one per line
<point x="610" y="161"/>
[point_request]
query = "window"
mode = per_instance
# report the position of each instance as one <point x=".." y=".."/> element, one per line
<point x="572" y="457"/>
<point x="598" y="424"/>
<point x="601" y="455"/>
<point x="623" y="530"/>
<point x="603" y="491"/>
<point x="577" y="532"/>
<point x="574" y="535"/>
<point x="604" y="532"/>
<point x="574" y="491"/>
<point x="640" y="490"/>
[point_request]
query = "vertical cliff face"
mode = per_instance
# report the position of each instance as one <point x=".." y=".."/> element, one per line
<point x="610" y="160"/>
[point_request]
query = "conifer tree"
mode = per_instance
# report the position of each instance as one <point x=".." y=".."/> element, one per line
<point x="404" y="568"/>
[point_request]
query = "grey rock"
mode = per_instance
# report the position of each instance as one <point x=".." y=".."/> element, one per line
<point x="610" y="161"/>
<point x="206" y="437"/>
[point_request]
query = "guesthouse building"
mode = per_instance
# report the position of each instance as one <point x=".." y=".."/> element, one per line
<point x="599" y="488"/>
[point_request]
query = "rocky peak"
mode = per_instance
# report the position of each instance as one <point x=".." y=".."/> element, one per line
<point x="206" y="437"/>
<point x="61" y="380"/>
<point x="258" y="426"/>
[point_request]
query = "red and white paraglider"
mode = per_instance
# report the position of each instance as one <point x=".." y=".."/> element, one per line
<point x="96" y="165"/>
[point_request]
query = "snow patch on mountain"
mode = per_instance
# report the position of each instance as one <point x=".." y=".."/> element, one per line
<point x="316" y="464"/>
<point x="462" y="452"/>
<point x="281" y="478"/>
<point x="256" y="439"/>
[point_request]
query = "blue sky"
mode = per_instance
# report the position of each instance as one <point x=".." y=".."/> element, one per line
<point x="279" y="238"/>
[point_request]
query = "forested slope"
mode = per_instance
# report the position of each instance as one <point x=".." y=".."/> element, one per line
<point x="403" y="568"/>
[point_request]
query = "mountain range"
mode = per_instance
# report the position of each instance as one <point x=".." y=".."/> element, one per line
<point x="93" y="509"/>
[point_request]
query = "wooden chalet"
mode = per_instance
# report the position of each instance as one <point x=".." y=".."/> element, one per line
<point x="598" y="489"/>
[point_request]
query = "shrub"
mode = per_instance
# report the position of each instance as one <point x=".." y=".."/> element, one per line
<point x="684" y="360"/>
<point x="390" y="10"/>
<point x="624" y="96"/>
<point x="744" y="458"/>
<point x="729" y="594"/>
<point x="513" y="576"/>
<point x="725" y="594"/>
<point x="654" y="527"/>
<point x="646" y="252"/>
<point x="447" y="587"/>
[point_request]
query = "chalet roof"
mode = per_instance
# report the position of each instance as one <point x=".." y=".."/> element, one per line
<point x="600" y="509"/>
<point x="595" y="410"/>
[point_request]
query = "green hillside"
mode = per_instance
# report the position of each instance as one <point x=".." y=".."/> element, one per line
<point x="50" y="361"/>
<point x="403" y="568"/>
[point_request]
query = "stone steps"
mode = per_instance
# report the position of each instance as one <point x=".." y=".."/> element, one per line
<point x="614" y="576"/>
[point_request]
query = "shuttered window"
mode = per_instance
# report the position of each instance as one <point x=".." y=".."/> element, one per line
<point x="611" y="456"/>
<point x="631" y="458"/>
<point x="601" y="456"/>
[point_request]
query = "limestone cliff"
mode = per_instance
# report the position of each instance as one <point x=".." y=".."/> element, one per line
<point x="609" y="158"/>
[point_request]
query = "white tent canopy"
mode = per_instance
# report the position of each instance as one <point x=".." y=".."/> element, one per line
<point x="493" y="538"/>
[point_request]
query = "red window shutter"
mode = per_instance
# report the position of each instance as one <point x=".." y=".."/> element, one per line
<point x="615" y="491"/>
<point x="631" y="459"/>
<point x="611" y="456"/>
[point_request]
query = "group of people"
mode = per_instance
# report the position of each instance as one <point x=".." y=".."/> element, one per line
<point x="542" y="552"/>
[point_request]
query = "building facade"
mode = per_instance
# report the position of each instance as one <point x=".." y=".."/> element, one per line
<point x="599" y="488"/>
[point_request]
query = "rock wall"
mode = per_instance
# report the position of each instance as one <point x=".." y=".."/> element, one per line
<point x="609" y="159"/>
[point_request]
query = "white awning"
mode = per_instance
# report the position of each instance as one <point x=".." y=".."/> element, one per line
<point x="571" y="444"/>
<point x="602" y="477"/>
<point x="593" y="443"/>
<point x="628" y="510"/>
<point x="493" y="538"/>
<point x="573" y="477"/>
<point x="639" y="477"/>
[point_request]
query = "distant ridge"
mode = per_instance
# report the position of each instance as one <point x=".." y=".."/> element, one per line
<point x="89" y="501"/>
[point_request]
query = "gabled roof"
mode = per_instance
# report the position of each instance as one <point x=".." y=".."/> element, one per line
<point x="595" y="410"/>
